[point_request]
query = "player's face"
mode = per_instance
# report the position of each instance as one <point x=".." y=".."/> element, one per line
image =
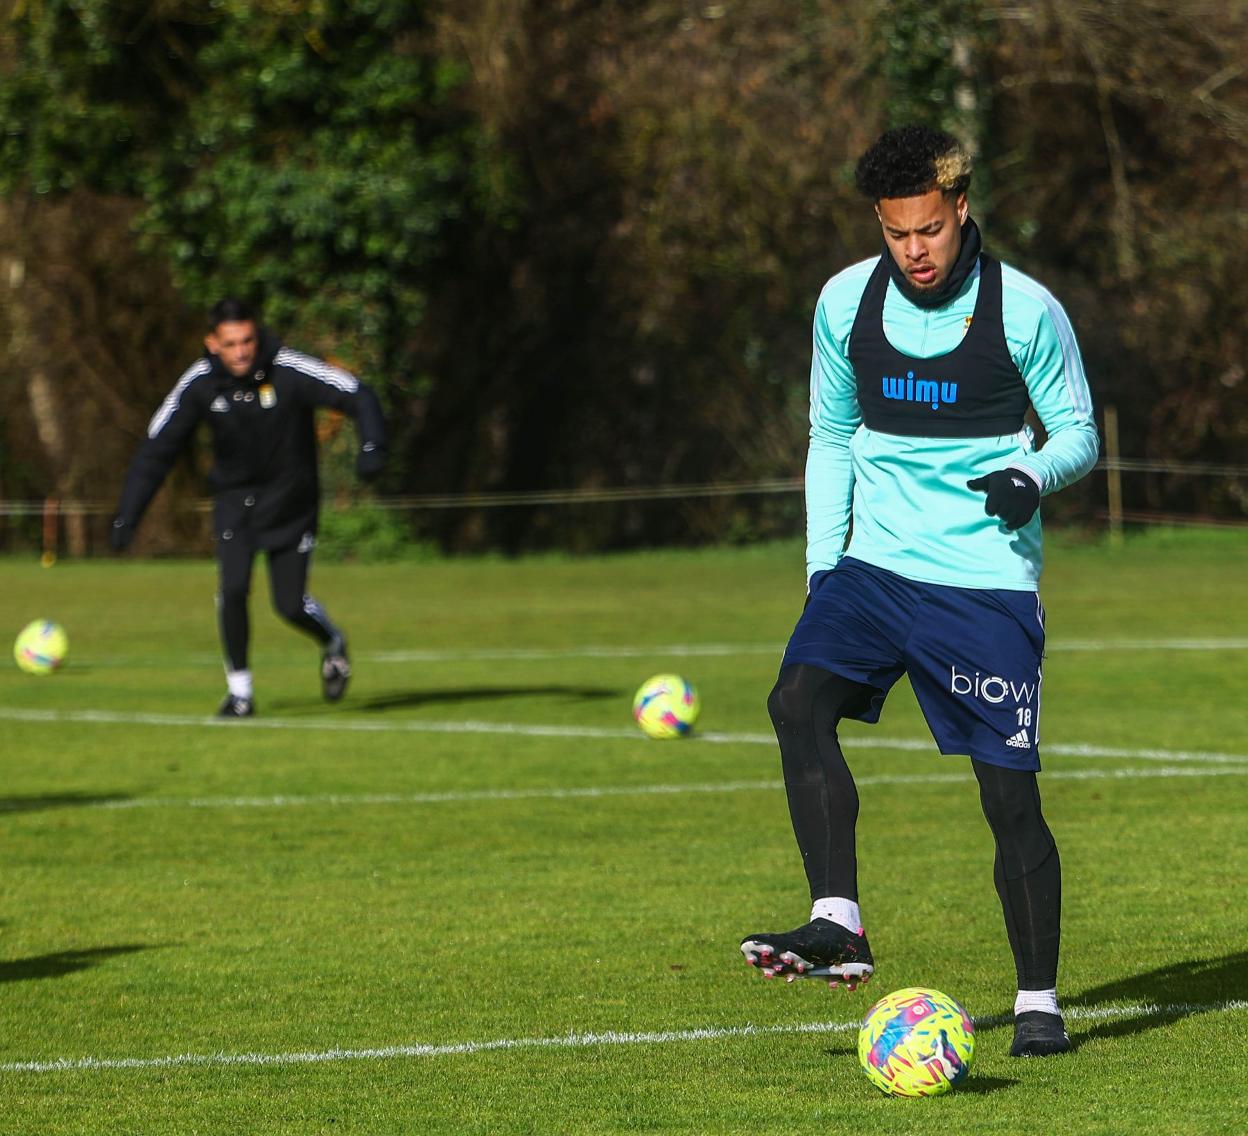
<point x="924" y="235"/>
<point x="236" y="344"/>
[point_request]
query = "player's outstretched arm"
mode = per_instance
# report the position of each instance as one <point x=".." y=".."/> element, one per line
<point x="168" y="431"/>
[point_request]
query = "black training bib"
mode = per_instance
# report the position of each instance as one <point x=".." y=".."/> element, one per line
<point x="973" y="391"/>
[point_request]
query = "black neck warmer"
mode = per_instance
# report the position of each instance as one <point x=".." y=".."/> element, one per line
<point x="969" y="254"/>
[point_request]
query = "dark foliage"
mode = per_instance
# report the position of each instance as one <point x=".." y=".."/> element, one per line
<point x="578" y="244"/>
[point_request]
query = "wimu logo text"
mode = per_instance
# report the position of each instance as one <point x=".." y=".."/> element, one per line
<point x="910" y="389"/>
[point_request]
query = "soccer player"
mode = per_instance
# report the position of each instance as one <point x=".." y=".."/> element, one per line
<point x="258" y="398"/>
<point x="926" y="359"/>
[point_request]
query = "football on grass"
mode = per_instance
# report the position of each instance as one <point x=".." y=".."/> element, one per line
<point x="666" y="706"/>
<point x="41" y="647"/>
<point x="916" y="1043"/>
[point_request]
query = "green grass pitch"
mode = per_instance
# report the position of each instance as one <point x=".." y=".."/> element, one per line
<point x="472" y="898"/>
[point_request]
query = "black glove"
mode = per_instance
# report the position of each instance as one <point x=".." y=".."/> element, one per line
<point x="1012" y="496"/>
<point x="120" y="534"/>
<point x="369" y="461"/>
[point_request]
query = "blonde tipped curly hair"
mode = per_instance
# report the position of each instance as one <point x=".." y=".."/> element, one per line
<point x="912" y="160"/>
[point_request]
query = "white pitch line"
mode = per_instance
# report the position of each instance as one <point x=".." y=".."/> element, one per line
<point x="502" y="654"/>
<point x="319" y="724"/>
<point x="336" y="723"/>
<point x="1149" y="754"/>
<point x="567" y="1041"/>
<point x="1214" y="644"/>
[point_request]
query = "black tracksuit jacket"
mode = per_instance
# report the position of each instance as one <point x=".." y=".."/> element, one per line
<point x="264" y="475"/>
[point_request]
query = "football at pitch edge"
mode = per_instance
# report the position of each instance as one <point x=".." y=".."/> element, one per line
<point x="916" y="1042"/>
<point x="666" y="706"/>
<point x="41" y="647"/>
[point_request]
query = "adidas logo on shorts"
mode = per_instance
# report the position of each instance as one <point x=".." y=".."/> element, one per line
<point x="1019" y="740"/>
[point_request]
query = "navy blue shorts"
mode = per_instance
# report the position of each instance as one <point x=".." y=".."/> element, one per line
<point x="973" y="655"/>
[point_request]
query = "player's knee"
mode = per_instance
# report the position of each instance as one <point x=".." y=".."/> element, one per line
<point x="232" y="595"/>
<point x="783" y="703"/>
<point x="805" y="695"/>
<point x="792" y="698"/>
<point x="1024" y="853"/>
<point x="1021" y="834"/>
<point x="289" y="607"/>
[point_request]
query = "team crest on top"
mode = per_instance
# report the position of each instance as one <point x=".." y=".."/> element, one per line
<point x="268" y="396"/>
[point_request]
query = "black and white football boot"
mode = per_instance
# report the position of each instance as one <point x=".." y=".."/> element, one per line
<point x="1039" y="1034"/>
<point x="818" y="949"/>
<point x="335" y="670"/>
<point x="236" y="707"/>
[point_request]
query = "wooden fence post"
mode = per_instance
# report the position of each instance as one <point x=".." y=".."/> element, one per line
<point x="1113" y="474"/>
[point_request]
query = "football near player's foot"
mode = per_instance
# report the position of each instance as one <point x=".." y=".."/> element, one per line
<point x="818" y="949"/>
<point x="1038" y="1034"/>
<point x="236" y="707"/>
<point x="335" y="671"/>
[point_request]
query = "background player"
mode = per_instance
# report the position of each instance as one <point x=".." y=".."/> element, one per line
<point x="258" y="398"/>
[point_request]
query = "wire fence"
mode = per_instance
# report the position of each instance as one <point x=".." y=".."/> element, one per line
<point x="637" y="493"/>
<point x="483" y="500"/>
<point x="70" y="516"/>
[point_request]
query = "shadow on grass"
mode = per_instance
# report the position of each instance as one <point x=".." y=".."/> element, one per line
<point x="974" y="1084"/>
<point x="407" y="699"/>
<point x="982" y="1086"/>
<point x="1175" y="991"/>
<point x="842" y="1050"/>
<point x="34" y="804"/>
<point x="401" y="699"/>
<point x="61" y="963"/>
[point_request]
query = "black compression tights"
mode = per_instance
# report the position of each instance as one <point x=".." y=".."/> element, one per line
<point x="288" y="577"/>
<point x="1027" y="872"/>
<point x="806" y="706"/>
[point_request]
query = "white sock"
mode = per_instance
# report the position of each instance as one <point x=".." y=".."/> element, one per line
<point x="839" y="910"/>
<point x="1043" y="1000"/>
<point x="239" y="683"/>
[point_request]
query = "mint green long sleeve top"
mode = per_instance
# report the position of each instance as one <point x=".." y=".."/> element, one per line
<point x="911" y="510"/>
